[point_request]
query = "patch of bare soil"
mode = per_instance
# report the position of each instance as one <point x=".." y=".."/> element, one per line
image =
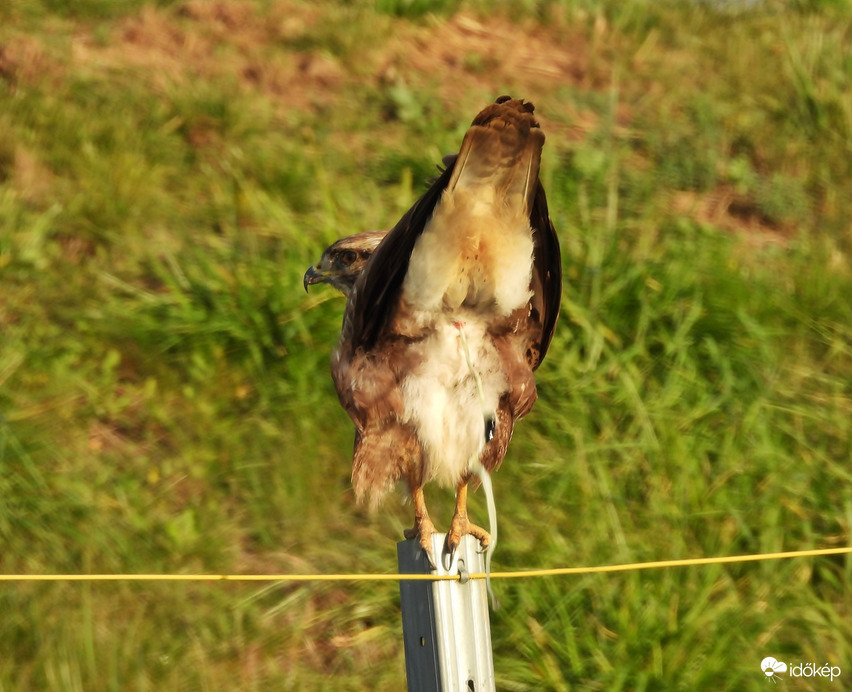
<point x="464" y="55"/>
<point x="268" y="49"/>
<point x="465" y="52"/>
<point x="239" y="40"/>
<point x="219" y="40"/>
<point x="731" y="211"/>
<point x="24" y="61"/>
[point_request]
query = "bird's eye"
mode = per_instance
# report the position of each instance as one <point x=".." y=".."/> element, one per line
<point x="348" y="257"/>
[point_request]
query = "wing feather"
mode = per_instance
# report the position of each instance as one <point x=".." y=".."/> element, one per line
<point x="547" y="272"/>
<point x="376" y="293"/>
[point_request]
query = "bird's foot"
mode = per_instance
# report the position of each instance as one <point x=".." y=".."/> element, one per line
<point x="423" y="530"/>
<point x="462" y="526"/>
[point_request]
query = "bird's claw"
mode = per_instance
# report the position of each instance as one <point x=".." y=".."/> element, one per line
<point x="423" y="530"/>
<point x="448" y="553"/>
<point x="461" y="526"/>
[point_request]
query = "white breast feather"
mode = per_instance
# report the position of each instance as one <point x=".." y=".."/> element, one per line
<point x="441" y="400"/>
<point x="471" y="265"/>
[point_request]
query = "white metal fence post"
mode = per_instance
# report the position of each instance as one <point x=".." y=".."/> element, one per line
<point x="445" y="624"/>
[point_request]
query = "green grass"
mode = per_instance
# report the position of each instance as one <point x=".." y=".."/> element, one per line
<point x="165" y="398"/>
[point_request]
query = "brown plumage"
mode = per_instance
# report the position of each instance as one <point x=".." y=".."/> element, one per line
<point x="343" y="261"/>
<point x="474" y="263"/>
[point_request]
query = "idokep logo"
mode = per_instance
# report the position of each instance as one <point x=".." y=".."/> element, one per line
<point x="772" y="669"/>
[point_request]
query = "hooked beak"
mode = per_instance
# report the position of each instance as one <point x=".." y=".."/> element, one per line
<point x="312" y="276"/>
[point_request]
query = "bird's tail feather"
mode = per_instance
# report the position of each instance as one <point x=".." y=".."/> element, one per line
<point x="501" y="150"/>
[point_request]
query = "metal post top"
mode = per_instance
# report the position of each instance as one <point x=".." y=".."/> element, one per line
<point x="446" y="626"/>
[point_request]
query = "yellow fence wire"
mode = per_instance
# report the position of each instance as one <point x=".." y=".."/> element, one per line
<point x="520" y="574"/>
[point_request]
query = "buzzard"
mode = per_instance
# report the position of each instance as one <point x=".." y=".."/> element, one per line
<point x="343" y="261"/>
<point x="449" y="318"/>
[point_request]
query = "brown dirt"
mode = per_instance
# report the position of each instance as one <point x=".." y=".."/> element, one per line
<point x="24" y="61"/>
<point x="217" y="41"/>
<point x="235" y="40"/>
<point x="468" y="52"/>
<point x="454" y="58"/>
<point x="464" y="55"/>
<point x="731" y="211"/>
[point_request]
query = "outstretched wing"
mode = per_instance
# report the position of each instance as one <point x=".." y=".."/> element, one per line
<point x="376" y="293"/>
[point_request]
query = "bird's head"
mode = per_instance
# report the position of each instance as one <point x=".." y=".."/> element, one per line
<point x="344" y="260"/>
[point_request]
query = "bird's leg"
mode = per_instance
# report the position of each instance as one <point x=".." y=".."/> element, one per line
<point x="461" y="525"/>
<point x="423" y="527"/>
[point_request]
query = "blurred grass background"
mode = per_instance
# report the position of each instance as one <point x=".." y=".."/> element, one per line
<point x="169" y="170"/>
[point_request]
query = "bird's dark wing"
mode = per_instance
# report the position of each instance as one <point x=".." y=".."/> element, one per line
<point x="547" y="271"/>
<point x="377" y="290"/>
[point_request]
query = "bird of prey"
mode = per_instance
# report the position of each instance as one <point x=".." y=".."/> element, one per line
<point x="449" y="318"/>
<point x="343" y="261"/>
